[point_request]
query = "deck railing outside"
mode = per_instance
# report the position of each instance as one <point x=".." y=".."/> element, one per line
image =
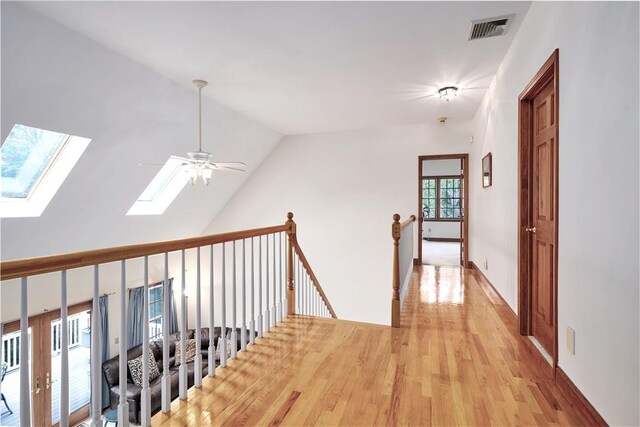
<point x="402" y="236"/>
<point x="265" y="271"/>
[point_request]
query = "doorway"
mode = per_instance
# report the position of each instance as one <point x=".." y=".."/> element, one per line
<point x="538" y="208"/>
<point x="44" y="365"/>
<point x="443" y="206"/>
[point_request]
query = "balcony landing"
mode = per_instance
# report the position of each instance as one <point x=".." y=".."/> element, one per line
<point x="454" y="362"/>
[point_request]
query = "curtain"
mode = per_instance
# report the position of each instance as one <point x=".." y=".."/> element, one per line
<point x="136" y="305"/>
<point x="173" y="315"/>
<point x="134" y="317"/>
<point x="104" y="334"/>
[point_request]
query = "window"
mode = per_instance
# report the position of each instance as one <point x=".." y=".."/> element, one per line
<point x="162" y="189"/>
<point x="34" y="163"/>
<point x="441" y="198"/>
<point x="155" y="312"/>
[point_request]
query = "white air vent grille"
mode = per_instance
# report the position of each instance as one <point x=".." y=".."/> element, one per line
<point x="491" y="27"/>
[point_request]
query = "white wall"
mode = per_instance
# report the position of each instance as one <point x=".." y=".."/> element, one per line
<point x="598" y="218"/>
<point x="344" y="189"/>
<point x="56" y="79"/>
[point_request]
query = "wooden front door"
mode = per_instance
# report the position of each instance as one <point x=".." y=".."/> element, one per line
<point x="543" y="226"/>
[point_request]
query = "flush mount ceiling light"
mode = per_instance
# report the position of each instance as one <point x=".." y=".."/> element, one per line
<point x="448" y="93"/>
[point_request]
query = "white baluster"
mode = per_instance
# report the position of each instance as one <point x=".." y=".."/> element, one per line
<point x="197" y="365"/>
<point x="298" y="285"/>
<point x="96" y="352"/>
<point x="243" y="333"/>
<point x="166" y="316"/>
<point x="275" y="284"/>
<point x="64" y="352"/>
<point x="25" y="371"/>
<point x="252" y="327"/>
<point x="211" y="351"/>
<point x="267" y="313"/>
<point x="145" y="396"/>
<point x="259" y="286"/>
<point x="183" y="384"/>
<point x="234" y="334"/>
<point x="223" y="328"/>
<point x="123" y="405"/>
<point x="283" y="283"/>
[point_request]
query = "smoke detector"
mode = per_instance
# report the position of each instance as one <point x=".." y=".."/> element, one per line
<point x="490" y="27"/>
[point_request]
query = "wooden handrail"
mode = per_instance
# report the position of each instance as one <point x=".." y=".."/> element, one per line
<point x="405" y="224"/>
<point x="48" y="264"/>
<point x="314" y="279"/>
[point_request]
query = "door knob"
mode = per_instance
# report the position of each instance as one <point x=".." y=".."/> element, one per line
<point x="531" y="230"/>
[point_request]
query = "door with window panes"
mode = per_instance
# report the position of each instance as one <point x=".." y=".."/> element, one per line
<point x="442" y="200"/>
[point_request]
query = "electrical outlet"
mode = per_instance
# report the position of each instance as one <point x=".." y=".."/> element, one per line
<point x="428" y="229"/>
<point x="116" y="340"/>
<point x="571" y="340"/>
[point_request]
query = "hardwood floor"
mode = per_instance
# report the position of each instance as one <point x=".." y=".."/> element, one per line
<point x="454" y="362"/>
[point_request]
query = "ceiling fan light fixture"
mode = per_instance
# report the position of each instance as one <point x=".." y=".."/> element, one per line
<point x="448" y="93"/>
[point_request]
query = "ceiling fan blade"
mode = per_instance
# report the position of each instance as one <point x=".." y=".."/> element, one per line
<point x="231" y="165"/>
<point x="228" y="169"/>
<point x="150" y="164"/>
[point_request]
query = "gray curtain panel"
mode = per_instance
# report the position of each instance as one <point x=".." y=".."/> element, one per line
<point x="136" y="305"/>
<point x="173" y="315"/>
<point x="104" y="325"/>
<point x="134" y="317"/>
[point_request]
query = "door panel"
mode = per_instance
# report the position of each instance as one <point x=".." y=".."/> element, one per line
<point x="543" y="269"/>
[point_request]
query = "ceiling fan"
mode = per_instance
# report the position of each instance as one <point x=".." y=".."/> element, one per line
<point x="198" y="164"/>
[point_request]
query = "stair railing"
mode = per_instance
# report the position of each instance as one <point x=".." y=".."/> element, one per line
<point x="262" y="262"/>
<point x="402" y="236"/>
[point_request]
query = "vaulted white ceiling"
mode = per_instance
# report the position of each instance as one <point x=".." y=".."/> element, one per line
<point x="311" y="66"/>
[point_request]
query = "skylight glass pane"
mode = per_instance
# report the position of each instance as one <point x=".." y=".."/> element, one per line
<point x="25" y="156"/>
<point x="162" y="190"/>
<point x="161" y="180"/>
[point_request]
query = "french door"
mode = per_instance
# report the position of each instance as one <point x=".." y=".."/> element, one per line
<point x="44" y="366"/>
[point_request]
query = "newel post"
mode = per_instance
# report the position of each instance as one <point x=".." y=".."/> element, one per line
<point x="395" y="298"/>
<point x="291" y="293"/>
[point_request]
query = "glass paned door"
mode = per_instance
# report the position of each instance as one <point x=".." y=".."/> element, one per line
<point x="12" y="363"/>
<point x="78" y="328"/>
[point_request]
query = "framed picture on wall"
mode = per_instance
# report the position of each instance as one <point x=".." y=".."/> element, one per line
<point x="486" y="170"/>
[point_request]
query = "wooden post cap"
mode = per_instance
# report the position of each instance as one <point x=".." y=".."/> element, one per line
<point x="290" y="215"/>
<point x="396" y="217"/>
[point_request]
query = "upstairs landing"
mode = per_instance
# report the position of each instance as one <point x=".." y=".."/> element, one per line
<point x="454" y="362"/>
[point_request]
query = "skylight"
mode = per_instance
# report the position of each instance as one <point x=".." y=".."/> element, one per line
<point x="162" y="189"/>
<point x="34" y="163"/>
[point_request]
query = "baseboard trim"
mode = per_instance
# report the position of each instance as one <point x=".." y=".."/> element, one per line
<point x="578" y="402"/>
<point x="442" y="239"/>
<point x="584" y="409"/>
<point x="493" y="295"/>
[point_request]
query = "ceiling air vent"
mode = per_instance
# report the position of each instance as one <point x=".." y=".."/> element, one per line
<point x="490" y="27"/>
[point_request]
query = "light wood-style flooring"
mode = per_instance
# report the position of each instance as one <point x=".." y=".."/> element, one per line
<point x="457" y="360"/>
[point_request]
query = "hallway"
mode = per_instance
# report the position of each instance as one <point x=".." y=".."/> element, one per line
<point x="454" y="362"/>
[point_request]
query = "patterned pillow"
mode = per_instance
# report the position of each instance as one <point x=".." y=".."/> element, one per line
<point x="135" y="366"/>
<point x="219" y="347"/>
<point x="190" y="353"/>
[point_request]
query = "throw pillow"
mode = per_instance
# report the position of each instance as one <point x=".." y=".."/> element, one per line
<point x="135" y="366"/>
<point x="190" y="353"/>
<point x="219" y="347"/>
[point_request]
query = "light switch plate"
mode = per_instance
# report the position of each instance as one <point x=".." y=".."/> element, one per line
<point x="571" y="340"/>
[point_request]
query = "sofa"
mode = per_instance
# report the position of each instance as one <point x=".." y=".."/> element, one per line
<point x="110" y="368"/>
